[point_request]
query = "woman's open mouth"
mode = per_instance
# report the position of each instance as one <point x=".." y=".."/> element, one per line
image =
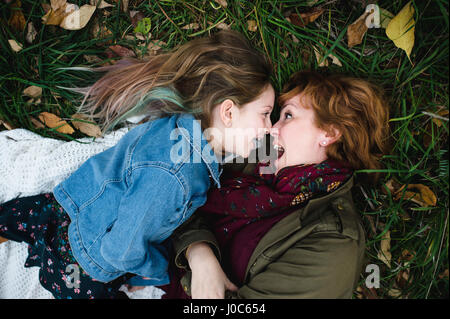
<point x="279" y="149"/>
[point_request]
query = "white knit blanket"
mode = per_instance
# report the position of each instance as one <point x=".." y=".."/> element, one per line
<point x="29" y="165"/>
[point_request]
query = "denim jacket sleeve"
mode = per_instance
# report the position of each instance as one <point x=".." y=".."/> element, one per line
<point x="151" y="208"/>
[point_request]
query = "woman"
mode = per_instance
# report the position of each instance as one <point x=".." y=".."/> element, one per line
<point x="294" y="233"/>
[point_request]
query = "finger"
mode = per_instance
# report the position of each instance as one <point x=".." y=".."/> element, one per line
<point x="230" y="286"/>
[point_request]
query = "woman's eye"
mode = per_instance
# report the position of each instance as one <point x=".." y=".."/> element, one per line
<point x="287" y="115"/>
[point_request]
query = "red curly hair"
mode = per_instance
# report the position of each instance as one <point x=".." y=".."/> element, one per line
<point x="355" y="107"/>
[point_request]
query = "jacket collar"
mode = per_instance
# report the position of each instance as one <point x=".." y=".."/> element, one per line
<point x="293" y="222"/>
<point x="192" y="131"/>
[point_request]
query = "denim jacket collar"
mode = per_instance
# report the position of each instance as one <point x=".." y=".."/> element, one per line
<point x="200" y="144"/>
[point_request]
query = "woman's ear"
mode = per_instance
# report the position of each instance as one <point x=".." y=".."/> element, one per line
<point x="226" y="112"/>
<point x="331" y="136"/>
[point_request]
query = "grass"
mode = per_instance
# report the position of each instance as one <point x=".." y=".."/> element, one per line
<point x="417" y="92"/>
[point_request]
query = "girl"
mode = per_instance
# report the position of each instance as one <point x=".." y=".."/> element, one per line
<point x="293" y="233"/>
<point x="111" y="217"/>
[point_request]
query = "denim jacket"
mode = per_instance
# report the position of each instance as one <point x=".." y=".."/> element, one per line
<point x="124" y="202"/>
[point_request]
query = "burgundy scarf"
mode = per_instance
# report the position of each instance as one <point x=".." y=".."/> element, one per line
<point x="247" y="206"/>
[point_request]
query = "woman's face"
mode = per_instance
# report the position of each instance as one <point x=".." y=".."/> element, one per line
<point x="296" y="136"/>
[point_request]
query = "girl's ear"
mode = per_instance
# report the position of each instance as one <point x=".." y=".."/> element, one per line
<point x="226" y="112"/>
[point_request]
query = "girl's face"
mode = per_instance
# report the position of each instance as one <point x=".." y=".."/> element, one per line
<point x="296" y="136"/>
<point x="248" y="123"/>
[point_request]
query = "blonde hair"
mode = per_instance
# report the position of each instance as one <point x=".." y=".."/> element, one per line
<point x="192" y="78"/>
<point x="355" y="107"/>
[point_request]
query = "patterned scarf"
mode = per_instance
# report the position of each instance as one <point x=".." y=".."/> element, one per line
<point x="245" y="199"/>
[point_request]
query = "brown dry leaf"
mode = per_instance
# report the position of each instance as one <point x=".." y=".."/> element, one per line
<point x="7" y="125"/>
<point x="15" y="46"/>
<point x="154" y="46"/>
<point x="191" y="26"/>
<point x="33" y="91"/>
<point x="53" y="121"/>
<point x="394" y="292"/>
<point x="319" y="57"/>
<point x="443" y="274"/>
<point x="100" y="4"/>
<point x="366" y="293"/>
<point x="305" y="18"/>
<point x="31" y="33"/>
<point x="443" y="113"/>
<point x="37" y="124"/>
<point x="121" y="51"/>
<point x="223" y="3"/>
<point x="424" y="197"/>
<point x="251" y="25"/>
<point x="56" y="13"/>
<point x="2" y="240"/>
<point x="385" y="245"/>
<point x="135" y="17"/>
<point x="357" y="30"/>
<point x="90" y="129"/>
<point x="17" y="20"/>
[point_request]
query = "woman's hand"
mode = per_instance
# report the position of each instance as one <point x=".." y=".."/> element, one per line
<point x="208" y="279"/>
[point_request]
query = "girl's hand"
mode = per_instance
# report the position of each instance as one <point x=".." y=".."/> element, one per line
<point x="208" y="279"/>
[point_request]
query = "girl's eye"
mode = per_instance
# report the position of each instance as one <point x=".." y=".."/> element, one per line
<point x="287" y="115"/>
<point x="266" y="114"/>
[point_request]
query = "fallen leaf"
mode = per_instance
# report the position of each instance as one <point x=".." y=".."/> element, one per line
<point x="223" y="3"/>
<point x="357" y="30"/>
<point x="37" y="124"/>
<point x="101" y="4"/>
<point x="191" y="26"/>
<point x="121" y="51"/>
<point x="17" y="20"/>
<point x="90" y="129"/>
<point x="15" y="46"/>
<point x="135" y="17"/>
<point x="385" y="245"/>
<point x="2" y="240"/>
<point x="424" y="197"/>
<point x="223" y="26"/>
<point x="323" y="61"/>
<point x="444" y="274"/>
<point x="366" y="293"/>
<point x="53" y="121"/>
<point x="401" y="29"/>
<point x="57" y="11"/>
<point x="154" y="46"/>
<point x="251" y="25"/>
<point x="31" y="33"/>
<point x="305" y="18"/>
<point x="78" y="19"/>
<point x="7" y="125"/>
<point x="33" y="91"/>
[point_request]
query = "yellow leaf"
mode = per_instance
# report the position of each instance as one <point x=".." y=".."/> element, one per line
<point x="78" y="19"/>
<point x="401" y="29"/>
<point x="53" y="121"/>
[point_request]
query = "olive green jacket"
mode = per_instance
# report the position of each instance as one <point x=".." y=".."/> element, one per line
<point x="315" y="252"/>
